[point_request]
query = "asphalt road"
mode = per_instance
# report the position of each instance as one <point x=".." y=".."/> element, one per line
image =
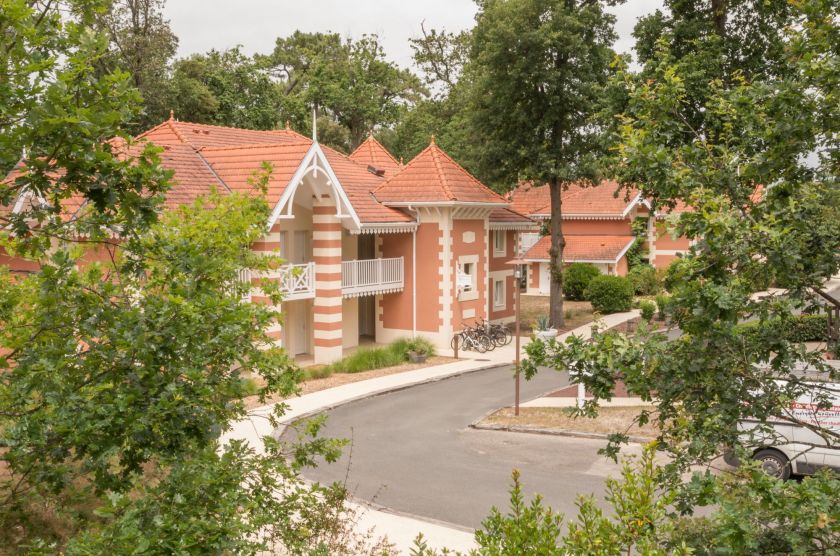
<point x="412" y="451"/>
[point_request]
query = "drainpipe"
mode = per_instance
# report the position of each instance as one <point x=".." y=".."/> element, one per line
<point x="414" y="274"/>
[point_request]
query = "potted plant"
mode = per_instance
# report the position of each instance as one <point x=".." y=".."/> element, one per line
<point x="417" y="356"/>
<point x="544" y="331"/>
<point x="419" y="350"/>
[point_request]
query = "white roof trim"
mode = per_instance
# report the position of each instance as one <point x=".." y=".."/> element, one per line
<point x="525" y="226"/>
<point x="635" y="201"/>
<point x="314" y="158"/>
<point x="387" y="228"/>
<point x="444" y="204"/>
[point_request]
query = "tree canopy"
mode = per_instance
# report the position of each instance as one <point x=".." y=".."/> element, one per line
<point x="540" y="68"/>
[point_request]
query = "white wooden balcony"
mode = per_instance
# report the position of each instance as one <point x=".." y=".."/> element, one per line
<point x="297" y="281"/>
<point x="372" y="276"/>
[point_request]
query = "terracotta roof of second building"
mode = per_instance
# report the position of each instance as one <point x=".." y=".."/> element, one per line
<point x="433" y="177"/>
<point x="603" y="200"/>
<point x="605" y="249"/>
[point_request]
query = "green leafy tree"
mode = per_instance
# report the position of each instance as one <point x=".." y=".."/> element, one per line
<point x="230" y="89"/>
<point x="351" y="81"/>
<point x="759" y="174"/>
<point x="540" y="68"/>
<point x="129" y="351"/>
<point x="143" y="44"/>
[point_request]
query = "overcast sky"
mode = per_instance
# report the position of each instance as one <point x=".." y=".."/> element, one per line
<point x="204" y="24"/>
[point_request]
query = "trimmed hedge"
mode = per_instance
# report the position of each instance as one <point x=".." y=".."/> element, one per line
<point x="610" y="294"/>
<point x="576" y="279"/>
<point x="797" y="329"/>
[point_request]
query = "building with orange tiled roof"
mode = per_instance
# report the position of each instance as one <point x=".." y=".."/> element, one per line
<point x="358" y="233"/>
<point x="598" y="228"/>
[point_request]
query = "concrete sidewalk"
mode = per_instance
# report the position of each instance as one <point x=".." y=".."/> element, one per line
<point x="400" y="529"/>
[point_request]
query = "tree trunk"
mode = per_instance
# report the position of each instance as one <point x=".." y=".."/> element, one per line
<point x="558" y="243"/>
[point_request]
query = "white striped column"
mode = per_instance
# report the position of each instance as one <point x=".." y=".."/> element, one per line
<point x="326" y="253"/>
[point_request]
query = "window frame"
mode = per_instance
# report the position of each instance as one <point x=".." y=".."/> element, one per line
<point x="502" y="288"/>
<point x="503" y="235"/>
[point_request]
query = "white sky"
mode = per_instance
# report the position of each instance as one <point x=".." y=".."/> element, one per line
<point x="255" y="24"/>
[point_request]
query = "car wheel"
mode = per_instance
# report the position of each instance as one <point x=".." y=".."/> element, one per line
<point x="774" y="463"/>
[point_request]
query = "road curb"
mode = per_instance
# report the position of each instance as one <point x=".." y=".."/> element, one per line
<point x="551" y="432"/>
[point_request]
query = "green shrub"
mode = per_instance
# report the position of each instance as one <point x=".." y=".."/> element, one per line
<point x="645" y="280"/>
<point x="576" y="278"/>
<point x="610" y="294"/>
<point x="797" y="329"/>
<point x="663" y="303"/>
<point x="648" y="309"/>
<point x="320" y="371"/>
<point x="419" y="345"/>
<point x="367" y="359"/>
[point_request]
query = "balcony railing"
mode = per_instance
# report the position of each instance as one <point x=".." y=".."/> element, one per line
<point x="296" y="281"/>
<point x="371" y="276"/>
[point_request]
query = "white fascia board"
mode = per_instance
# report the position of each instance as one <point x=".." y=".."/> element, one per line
<point x="636" y="200"/>
<point x="291" y="187"/>
<point x="456" y="204"/>
<point x="314" y="154"/>
<point x="624" y="251"/>
<point x="337" y="184"/>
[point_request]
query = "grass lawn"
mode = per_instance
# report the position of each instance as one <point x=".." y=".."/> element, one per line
<point x="609" y="420"/>
<point x="577" y="313"/>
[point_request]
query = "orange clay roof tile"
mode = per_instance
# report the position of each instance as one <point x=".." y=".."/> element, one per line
<point x="509" y="215"/>
<point x="582" y="248"/>
<point x="605" y="200"/>
<point x="372" y="153"/>
<point x="433" y="177"/>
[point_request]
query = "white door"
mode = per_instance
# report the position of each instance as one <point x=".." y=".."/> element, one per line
<point x="300" y="327"/>
<point x="545" y="279"/>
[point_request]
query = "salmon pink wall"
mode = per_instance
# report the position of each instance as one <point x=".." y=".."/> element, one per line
<point x="462" y="230"/>
<point x="509" y="310"/>
<point x="500" y="263"/>
<point x="397" y="307"/>
<point x="622" y="267"/>
<point x="662" y="261"/>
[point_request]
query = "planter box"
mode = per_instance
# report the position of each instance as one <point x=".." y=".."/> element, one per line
<point x="547" y="334"/>
<point x="415" y="357"/>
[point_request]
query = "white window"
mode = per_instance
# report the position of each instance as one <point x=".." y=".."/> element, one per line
<point x="468" y="269"/>
<point x="499" y="294"/>
<point x="467" y="278"/>
<point x="500" y="243"/>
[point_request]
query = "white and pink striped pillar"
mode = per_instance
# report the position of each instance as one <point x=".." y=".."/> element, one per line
<point x="326" y="254"/>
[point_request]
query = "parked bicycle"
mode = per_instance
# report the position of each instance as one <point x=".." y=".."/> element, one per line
<point x="482" y="337"/>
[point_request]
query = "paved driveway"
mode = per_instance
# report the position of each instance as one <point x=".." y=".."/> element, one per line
<point x="412" y="450"/>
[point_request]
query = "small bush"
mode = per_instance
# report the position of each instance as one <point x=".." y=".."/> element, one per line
<point x="418" y="345"/>
<point x="648" y="309"/>
<point x="367" y="359"/>
<point x="576" y="278"/>
<point x="645" y="280"/>
<point x="610" y="294"/>
<point x="663" y="303"/>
